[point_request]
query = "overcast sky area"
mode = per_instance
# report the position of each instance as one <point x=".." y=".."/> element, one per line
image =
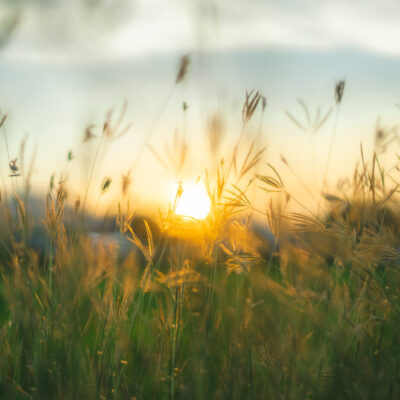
<point x="67" y="62"/>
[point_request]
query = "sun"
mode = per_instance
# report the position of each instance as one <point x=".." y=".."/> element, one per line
<point x="194" y="201"/>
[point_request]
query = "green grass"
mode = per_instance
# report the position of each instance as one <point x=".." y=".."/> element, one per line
<point x="289" y="327"/>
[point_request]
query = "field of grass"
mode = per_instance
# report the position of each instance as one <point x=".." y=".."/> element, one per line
<point x="206" y="309"/>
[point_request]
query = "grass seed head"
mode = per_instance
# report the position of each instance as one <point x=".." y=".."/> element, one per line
<point x="77" y="205"/>
<point x="3" y="119"/>
<point x="339" y="89"/>
<point x="183" y="68"/>
<point x="89" y="135"/>
<point x="263" y="103"/>
<point x="250" y="105"/>
<point x="105" y="185"/>
<point x="14" y="167"/>
<point x="126" y="181"/>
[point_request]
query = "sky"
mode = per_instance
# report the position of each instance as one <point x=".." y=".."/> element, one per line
<point x="65" y="66"/>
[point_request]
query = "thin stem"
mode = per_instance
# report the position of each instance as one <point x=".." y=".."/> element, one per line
<point x="152" y="128"/>
<point x="329" y="156"/>
<point x="92" y="170"/>
<point x="8" y="150"/>
<point x="303" y="185"/>
<point x="258" y="140"/>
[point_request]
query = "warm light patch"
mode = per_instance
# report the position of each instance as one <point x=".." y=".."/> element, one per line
<point x="194" y="201"/>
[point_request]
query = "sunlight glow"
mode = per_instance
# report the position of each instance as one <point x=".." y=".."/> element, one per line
<point x="194" y="201"/>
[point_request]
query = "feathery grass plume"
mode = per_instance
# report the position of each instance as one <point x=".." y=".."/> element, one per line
<point x="55" y="211"/>
<point x="14" y="167"/>
<point x="250" y="105"/>
<point x="77" y="205"/>
<point x="179" y="277"/>
<point x="274" y="185"/>
<point x="147" y="251"/>
<point x="183" y="68"/>
<point x="343" y="184"/>
<point x="105" y="184"/>
<point x="124" y="218"/>
<point x="263" y="103"/>
<point x="125" y="183"/>
<point x="311" y="125"/>
<point x="237" y="199"/>
<point x="114" y="131"/>
<point x="339" y="89"/>
<point x="384" y="137"/>
<point x="332" y="198"/>
<point x="23" y="225"/>
<point x="89" y="135"/>
<point x="178" y="195"/>
<point x="241" y="251"/>
<point x="251" y="160"/>
<point x="51" y="182"/>
<point x="70" y="155"/>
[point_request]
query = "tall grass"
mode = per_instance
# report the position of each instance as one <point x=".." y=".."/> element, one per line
<point x="206" y="309"/>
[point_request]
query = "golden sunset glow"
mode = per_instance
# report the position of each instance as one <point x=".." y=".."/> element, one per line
<point x="194" y="201"/>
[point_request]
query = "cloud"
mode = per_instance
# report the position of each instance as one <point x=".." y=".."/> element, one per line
<point x="173" y="26"/>
<point x="372" y="26"/>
